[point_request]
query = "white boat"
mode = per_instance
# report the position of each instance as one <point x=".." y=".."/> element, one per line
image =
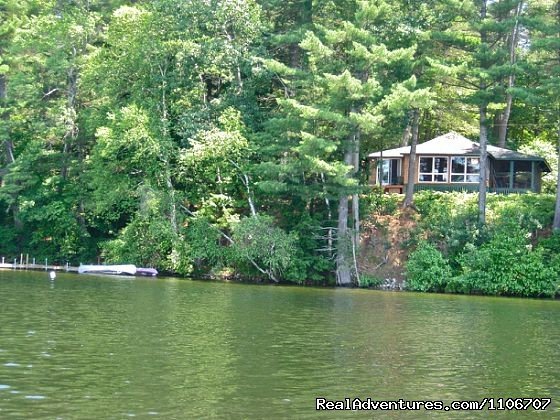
<point x="129" y="269"/>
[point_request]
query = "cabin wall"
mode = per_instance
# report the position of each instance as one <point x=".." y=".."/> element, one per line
<point x="404" y="171"/>
<point x="372" y="171"/>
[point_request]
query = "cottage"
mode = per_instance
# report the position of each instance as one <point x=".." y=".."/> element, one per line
<point x="451" y="162"/>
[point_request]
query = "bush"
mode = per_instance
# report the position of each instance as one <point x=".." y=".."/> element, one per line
<point x="377" y="202"/>
<point x="449" y="220"/>
<point x="551" y="245"/>
<point x="144" y="241"/>
<point x="367" y="280"/>
<point x="427" y="270"/>
<point x="506" y="265"/>
<point x="528" y="212"/>
<point x="257" y="239"/>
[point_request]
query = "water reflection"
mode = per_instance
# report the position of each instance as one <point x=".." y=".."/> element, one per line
<point x="98" y="347"/>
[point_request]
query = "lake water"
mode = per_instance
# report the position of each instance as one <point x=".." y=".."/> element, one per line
<point x="114" y="347"/>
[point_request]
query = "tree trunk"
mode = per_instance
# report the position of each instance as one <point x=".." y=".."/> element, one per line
<point x="304" y="19"/>
<point x="409" y="195"/>
<point x="483" y="110"/>
<point x="343" y="275"/>
<point x="329" y="217"/>
<point x="356" y="197"/>
<point x="71" y="131"/>
<point x="483" y="161"/>
<point x="8" y="147"/>
<point x="8" y="144"/>
<point x="556" y="223"/>
<point x="165" y="132"/>
<point x="343" y="266"/>
<point x="407" y="133"/>
<point x="502" y="118"/>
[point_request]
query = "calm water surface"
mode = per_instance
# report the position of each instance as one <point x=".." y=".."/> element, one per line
<point x="113" y="347"/>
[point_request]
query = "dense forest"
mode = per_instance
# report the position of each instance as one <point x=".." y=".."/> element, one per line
<point x="229" y="137"/>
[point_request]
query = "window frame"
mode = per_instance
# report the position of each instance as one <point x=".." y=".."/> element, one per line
<point x="465" y="174"/>
<point x="389" y="178"/>
<point x="433" y="173"/>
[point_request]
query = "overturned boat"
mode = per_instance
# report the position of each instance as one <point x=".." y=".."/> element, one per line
<point x="129" y="269"/>
<point x="148" y="272"/>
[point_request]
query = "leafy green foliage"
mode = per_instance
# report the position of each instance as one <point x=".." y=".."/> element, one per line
<point x="148" y="132"/>
<point x="501" y="259"/>
<point x="506" y="265"/>
<point x="427" y="270"/>
<point x="449" y="220"/>
<point x="256" y="247"/>
<point x="376" y="202"/>
<point x="367" y="281"/>
<point x="145" y="242"/>
<point x="522" y="212"/>
<point x="548" y="151"/>
<point x="257" y="239"/>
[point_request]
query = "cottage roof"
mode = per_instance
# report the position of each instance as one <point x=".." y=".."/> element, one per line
<point x="455" y="144"/>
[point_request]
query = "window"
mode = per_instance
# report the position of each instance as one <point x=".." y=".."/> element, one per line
<point x="465" y="169"/>
<point x="389" y="172"/>
<point x="433" y="169"/>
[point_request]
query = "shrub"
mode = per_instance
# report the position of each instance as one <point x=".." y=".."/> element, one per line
<point x="367" y="280"/>
<point x="257" y="239"/>
<point x="506" y="265"/>
<point x="528" y="212"/>
<point x="449" y="219"/>
<point x="379" y="203"/>
<point x="551" y="245"/>
<point x="144" y="241"/>
<point x="427" y="270"/>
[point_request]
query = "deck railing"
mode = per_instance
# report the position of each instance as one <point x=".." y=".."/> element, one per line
<point x="468" y="188"/>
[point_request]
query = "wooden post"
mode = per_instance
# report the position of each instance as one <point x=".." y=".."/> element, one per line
<point x="26" y="261"/>
<point x="15" y="263"/>
<point x="533" y="176"/>
<point x="46" y="266"/>
<point x="511" y="171"/>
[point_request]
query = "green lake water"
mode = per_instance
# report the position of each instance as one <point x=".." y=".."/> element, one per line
<point x="93" y="347"/>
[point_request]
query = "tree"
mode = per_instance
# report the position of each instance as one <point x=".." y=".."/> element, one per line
<point x="545" y="94"/>
<point x="336" y="105"/>
<point x="47" y="52"/>
<point x="477" y="65"/>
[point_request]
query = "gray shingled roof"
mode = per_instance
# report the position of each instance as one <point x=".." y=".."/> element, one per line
<point x="455" y="144"/>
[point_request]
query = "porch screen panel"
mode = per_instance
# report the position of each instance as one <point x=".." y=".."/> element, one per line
<point x="522" y="174"/>
<point x="501" y="175"/>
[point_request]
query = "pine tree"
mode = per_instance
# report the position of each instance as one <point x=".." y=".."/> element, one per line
<point x="337" y="104"/>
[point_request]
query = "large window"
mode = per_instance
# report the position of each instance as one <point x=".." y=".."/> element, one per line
<point x="433" y="169"/>
<point x="465" y="169"/>
<point x="389" y="172"/>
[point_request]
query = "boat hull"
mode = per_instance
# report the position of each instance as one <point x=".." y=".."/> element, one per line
<point x="148" y="272"/>
<point x="129" y="269"/>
